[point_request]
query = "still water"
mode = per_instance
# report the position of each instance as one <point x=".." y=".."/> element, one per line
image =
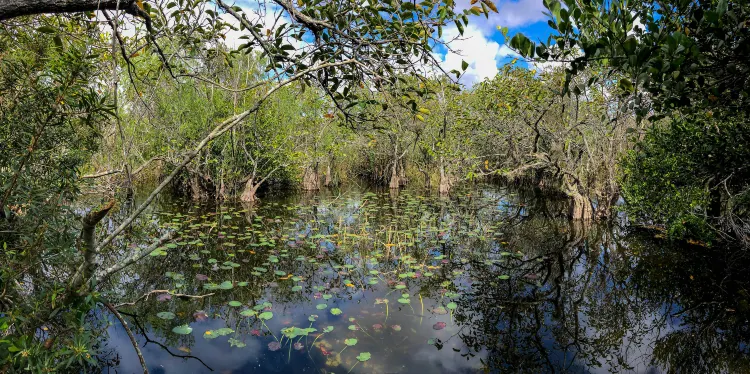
<point x="369" y="282"/>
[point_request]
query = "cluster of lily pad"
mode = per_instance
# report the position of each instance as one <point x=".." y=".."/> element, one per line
<point x="354" y="246"/>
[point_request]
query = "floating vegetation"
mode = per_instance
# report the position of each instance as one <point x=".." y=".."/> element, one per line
<point x="182" y="330"/>
<point x="386" y="268"/>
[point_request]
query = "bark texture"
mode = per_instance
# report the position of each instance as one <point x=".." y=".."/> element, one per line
<point x="311" y="180"/>
<point x="16" y="8"/>
<point x="580" y="208"/>
<point x="248" y="194"/>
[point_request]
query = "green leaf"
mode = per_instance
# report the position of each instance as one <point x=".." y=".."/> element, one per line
<point x="165" y="315"/>
<point x="47" y="29"/>
<point x="182" y="330"/>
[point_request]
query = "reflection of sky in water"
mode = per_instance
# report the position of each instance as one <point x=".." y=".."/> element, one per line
<point x="407" y="351"/>
<point x="404" y="351"/>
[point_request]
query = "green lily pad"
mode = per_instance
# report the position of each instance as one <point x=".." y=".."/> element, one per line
<point x="321" y="306"/>
<point x="165" y="315"/>
<point x="226" y="285"/>
<point x="266" y="316"/>
<point x="248" y="313"/>
<point x="182" y="330"/>
<point x="451" y="306"/>
<point x="364" y="356"/>
<point x="335" y="311"/>
<point x="234" y="303"/>
<point x="350" y="342"/>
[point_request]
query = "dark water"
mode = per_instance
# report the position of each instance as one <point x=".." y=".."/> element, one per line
<point x="487" y="281"/>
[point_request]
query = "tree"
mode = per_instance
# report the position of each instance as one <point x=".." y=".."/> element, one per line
<point x="567" y="145"/>
<point x="687" y="63"/>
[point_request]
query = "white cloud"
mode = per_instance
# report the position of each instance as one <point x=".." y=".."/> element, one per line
<point x="482" y="54"/>
<point x="511" y="13"/>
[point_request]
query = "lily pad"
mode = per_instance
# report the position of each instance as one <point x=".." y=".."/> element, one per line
<point x="226" y="285"/>
<point x="350" y="342"/>
<point x="321" y="306"/>
<point x="266" y="316"/>
<point x="234" y="303"/>
<point x="248" y="313"/>
<point x="364" y="356"/>
<point x="451" y="306"/>
<point x="182" y="330"/>
<point x="165" y="315"/>
<point x="335" y="311"/>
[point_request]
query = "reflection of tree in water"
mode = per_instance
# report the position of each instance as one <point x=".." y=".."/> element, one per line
<point x="576" y="298"/>
<point x="587" y="297"/>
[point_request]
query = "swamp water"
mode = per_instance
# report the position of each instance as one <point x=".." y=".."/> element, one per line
<point x="367" y="282"/>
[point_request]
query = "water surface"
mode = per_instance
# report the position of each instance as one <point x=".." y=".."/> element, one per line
<point x="367" y="282"/>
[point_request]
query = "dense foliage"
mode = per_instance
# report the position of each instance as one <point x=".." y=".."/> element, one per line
<point x="650" y="105"/>
<point x="684" y="63"/>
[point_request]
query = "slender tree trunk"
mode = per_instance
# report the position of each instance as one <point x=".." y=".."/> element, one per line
<point x="445" y="182"/>
<point x="394" y="182"/>
<point x="88" y="245"/>
<point x="402" y="179"/>
<point x="328" y="180"/>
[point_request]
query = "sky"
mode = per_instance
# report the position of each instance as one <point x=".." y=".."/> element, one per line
<point x="483" y="45"/>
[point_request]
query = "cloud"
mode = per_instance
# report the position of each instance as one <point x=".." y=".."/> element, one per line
<point x="482" y="54"/>
<point x="511" y="14"/>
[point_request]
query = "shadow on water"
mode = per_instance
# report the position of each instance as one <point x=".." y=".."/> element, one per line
<point x="489" y="281"/>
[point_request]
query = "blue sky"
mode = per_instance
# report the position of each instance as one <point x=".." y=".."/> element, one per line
<point x="482" y="45"/>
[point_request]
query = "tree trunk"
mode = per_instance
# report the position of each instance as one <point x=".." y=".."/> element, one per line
<point x="310" y="179"/>
<point x="248" y="194"/>
<point x="445" y="183"/>
<point x="196" y="189"/>
<point x="328" y="181"/>
<point x="395" y="181"/>
<point x="580" y="208"/>
<point x="88" y="245"/>
<point x="402" y="180"/>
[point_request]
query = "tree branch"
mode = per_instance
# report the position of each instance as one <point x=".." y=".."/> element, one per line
<point x="130" y="335"/>
<point x="16" y="8"/>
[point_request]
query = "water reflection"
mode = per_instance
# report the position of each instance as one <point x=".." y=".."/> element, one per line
<point x="487" y="282"/>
